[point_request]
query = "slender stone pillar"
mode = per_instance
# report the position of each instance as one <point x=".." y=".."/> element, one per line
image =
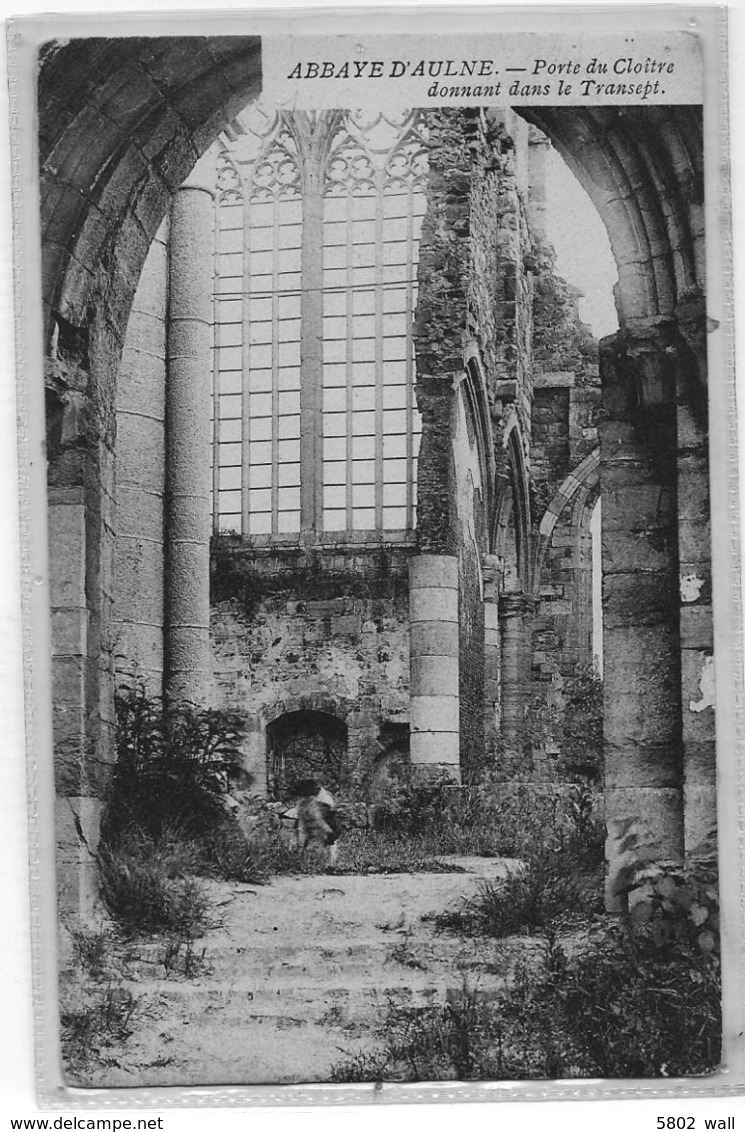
<point x="140" y="479"/>
<point x="187" y="607"/>
<point x="492" y="654"/>
<point x="513" y="612"/>
<point x="434" y="686"/>
<point x="641" y="633"/>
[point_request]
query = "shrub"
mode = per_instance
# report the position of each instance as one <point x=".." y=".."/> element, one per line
<point x="142" y="883"/>
<point x="171" y="766"/>
<point x="636" y="1008"/>
<point x="676" y="902"/>
<point x="620" y="1007"/>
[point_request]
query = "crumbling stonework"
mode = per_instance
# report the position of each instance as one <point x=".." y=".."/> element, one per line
<point x="329" y="633"/>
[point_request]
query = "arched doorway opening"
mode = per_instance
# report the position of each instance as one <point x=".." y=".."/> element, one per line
<point x="302" y="745"/>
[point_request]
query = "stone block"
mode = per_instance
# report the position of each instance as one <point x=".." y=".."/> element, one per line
<point x="69" y="632"/>
<point x="433" y="571"/>
<point x="636" y="506"/>
<point x="641" y="685"/>
<point x="435" y="748"/>
<point x="434" y="676"/>
<point x="700" y="762"/>
<point x="67" y="556"/>
<point x="638" y="600"/>
<point x="642" y="551"/>
<point x="434" y="638"/>
<point x="435" y="713"/>
<point x="700" y="817"/>
<point x="698" y="692"/>
<point x="139" y="652"/>
<point x="694" y="540"/>
<point x="428" y="603"/>
<point x="140" y="515"/>
<point x="68" y="678"/>
<point x="491" y="616"/>
<point x="77" y="834"/>
<point x="346" y="625"/>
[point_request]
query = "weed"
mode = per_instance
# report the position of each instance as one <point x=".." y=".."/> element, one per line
<point x="102" y="1023"/>
<point x="404" y="953"/>
<point x="620" y="1007"/>
<point x="92" y="950"/>
<point x="179" y="957"/>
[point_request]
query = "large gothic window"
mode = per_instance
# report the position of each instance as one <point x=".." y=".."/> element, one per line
<point x="316" y="426"/>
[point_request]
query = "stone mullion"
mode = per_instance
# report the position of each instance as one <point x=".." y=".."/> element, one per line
<point x="379" y="367"/>
<point x="246" y="370"/>
<point x="311" y="349"/>
<point x="187" y="651"/>
<point x="641" y="631"/>
<point x="349" y="438"/>
<point x="410" y="478"/>
<point x="216" y="385"/>
<point x="275" y="364"/>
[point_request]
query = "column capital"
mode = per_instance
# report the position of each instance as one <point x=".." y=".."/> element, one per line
<point x="515" y="605"/>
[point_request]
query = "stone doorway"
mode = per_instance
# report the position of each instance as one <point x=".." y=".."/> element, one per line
<point x="305" y="744"/>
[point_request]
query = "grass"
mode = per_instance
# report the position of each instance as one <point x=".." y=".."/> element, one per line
<point x="146" y="886"/>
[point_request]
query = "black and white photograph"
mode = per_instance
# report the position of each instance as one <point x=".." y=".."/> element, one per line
<point x="386" y="625"/>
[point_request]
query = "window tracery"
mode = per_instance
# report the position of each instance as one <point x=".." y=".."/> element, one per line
<point x="362" y="252"/>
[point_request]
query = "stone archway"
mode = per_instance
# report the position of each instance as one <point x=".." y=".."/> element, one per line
<point x="122" y="123"/>
<point x="305" y="744"/>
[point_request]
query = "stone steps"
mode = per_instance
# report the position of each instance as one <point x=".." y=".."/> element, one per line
<point x="298" y="977"/>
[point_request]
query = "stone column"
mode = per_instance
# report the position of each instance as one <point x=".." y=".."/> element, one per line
<point x="434" y="685"/>
<point x="140" y="479"/>
<point x="492" y="654"/>
<point x="641" y="633"/>
<point x="694" y="540"/>
<point x="515" y="641"/>
<point x="187" y="607"/>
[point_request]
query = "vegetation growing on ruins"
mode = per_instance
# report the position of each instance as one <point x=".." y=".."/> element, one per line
<point x="581" y="751"/>
<point x="236" y="577"/>
<point x="589" y="995"/>
<point x="637" y="996"/>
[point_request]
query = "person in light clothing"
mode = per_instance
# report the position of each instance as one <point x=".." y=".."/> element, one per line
<point x="317" y="826"/>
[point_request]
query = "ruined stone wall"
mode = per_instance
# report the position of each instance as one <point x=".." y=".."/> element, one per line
<point x="564" y="489"/>
<point x="326" y="631"/>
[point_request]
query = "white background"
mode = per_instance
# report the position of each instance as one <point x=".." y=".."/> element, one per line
<point x="16" y="1051"/>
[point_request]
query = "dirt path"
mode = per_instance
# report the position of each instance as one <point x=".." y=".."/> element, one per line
<point x="298" y="976"/>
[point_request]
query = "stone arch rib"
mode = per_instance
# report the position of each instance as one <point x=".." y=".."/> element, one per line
<point x="643" y="169"/>
<point x="585" y="479"/>
<point x="122" y="123"/>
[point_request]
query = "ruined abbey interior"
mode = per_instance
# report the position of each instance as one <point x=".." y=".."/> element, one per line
<point x="330" y="445"/>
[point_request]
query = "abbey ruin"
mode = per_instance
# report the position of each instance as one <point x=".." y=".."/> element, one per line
<point x="322" y="364"/>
